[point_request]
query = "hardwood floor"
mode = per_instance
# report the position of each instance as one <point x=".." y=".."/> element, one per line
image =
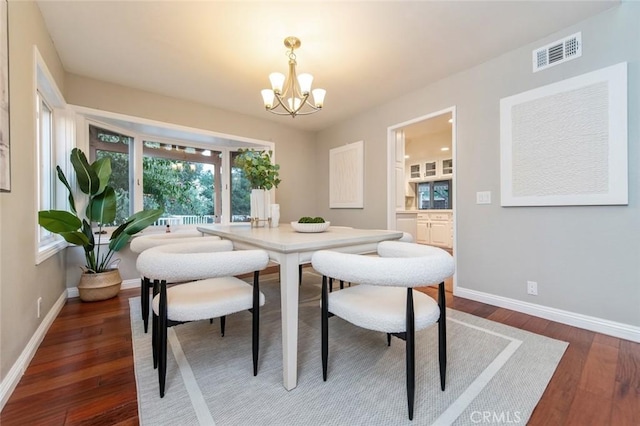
<point x="82" y="374"/>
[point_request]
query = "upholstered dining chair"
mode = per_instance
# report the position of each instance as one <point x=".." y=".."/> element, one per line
<point x="144" y="242"/>
<point x="406" y="238"/>
<point x="208" y="289"/>
<point x="384" y="299"/>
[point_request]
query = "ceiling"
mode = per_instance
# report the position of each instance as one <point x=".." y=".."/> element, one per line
<point x="364" y="53"/>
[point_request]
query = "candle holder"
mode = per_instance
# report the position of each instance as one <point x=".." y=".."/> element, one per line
<point x="255" y="222"/>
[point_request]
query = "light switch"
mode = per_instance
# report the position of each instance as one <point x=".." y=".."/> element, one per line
<point x="483" y="197"/>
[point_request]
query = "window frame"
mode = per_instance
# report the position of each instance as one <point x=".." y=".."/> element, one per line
<point x="60" y="141"/>
<point x="194" y="138"/>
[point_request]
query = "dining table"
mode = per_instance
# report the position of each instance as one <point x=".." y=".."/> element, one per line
<point x="290" y="249"/>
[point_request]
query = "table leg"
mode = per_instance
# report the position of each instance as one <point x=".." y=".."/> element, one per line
<point x="289" y="305"/>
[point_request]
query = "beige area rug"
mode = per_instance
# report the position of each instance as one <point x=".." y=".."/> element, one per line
<point x="495" y="373"/>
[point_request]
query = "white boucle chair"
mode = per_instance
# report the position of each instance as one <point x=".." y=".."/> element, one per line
<point x="384" y="299"/>
<point x="144" y="242"/>
<point x="406" y="238"/>
<point x="208" y="289"/>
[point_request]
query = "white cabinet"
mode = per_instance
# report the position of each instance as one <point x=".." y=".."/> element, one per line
<point x="430" y="170"/>
<point x="435" y="228"/>
<point x="447" y="167"/>
<point x="407" y="222"/>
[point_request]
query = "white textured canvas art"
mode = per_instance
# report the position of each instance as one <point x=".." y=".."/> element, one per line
<point x="346" y="176"/>
<point x="566" y="143"/>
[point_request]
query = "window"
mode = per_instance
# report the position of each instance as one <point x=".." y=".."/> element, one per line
<point x="186" y="179"/>
<point x="46" y="168"/>
<point x="105" y="143"/>
<point x="182" y="180"/>
<point x="187" y="172"/>
<point x="54" y="131"/>
<point x="240" y="194"/>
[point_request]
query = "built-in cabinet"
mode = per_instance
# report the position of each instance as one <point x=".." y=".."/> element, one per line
<point x="407" y="222"/>
<point x="431" y="169"/>
<point x="435" y="228"/>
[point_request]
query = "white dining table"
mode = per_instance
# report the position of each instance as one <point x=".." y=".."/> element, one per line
<point x="290" y="249"/>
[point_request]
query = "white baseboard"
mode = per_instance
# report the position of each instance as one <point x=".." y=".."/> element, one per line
<point x="133" y="283"/>
<point x="599" y="325"/>
<point x="12" y="379"/>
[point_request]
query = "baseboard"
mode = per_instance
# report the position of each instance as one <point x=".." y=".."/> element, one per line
<point x="12" y="379"/>
<point x="126" y="284"/>
<point x="599" y="325"/>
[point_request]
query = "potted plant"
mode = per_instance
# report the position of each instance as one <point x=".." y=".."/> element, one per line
<point x="100" y="280"/>
<point x="262" y="175"/>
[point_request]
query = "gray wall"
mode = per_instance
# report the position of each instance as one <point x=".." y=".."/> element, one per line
<point x="21" y="282"/>
<point x="584" y="258"/>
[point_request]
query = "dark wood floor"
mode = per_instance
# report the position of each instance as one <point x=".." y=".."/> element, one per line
<point x="82" y="374"/>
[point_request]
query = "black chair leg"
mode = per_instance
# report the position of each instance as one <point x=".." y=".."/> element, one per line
<point x="325" y="327"/>
<point x="388" y="339"/>
<point x="145" y="284"/>
<point x="442" y="335"/>
<point x="255" y="341"/>
<point x="330" y="284"/>
<point x="155" y="327"/>
<point x="223" y="322"/>
<point x="411" y="362"/>
<point x="162" y="341"/>
<point x="299" y="274"/>
<point x="341" y="285"/>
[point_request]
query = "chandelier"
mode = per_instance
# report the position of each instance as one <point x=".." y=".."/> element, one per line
<point x="290" y="96"/>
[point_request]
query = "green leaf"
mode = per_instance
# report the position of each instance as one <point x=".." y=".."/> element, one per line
<point x="141" y="220"/>
<point x="133" y="225"/>
<point x="58" y="221"/>
<point x="102" y="167"/>
<point x="87" y="178"/>
<point x="120" y="241"/>
<point x="88" y="232"/>
<point x="65" y="182"/>
<point x="102" y="207"/>
<point x="75" y="237"/>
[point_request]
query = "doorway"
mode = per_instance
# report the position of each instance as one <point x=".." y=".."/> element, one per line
<point x="421" y="185"/>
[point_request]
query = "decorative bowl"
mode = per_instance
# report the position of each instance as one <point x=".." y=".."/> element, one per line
<point x="310" y="227"/>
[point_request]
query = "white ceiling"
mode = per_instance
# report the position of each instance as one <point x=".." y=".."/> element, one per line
<point x="363" y="53"/>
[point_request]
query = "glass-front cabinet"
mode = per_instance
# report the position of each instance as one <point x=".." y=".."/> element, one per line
<point x="414" y="171"/>
<point x="447" y="166"/>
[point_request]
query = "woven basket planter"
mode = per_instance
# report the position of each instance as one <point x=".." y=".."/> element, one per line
<point x="101" y="286"/>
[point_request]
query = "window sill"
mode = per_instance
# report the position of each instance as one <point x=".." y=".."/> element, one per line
<point x="47" y="250"/>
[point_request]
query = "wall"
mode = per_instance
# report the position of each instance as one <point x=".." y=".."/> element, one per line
<point x="584" y="258"/>
<point x="21" y="282"/>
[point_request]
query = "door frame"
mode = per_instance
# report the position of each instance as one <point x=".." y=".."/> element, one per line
<point x="391" y="183"/>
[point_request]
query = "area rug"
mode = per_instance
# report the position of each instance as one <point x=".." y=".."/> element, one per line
<point x="495" y="373"/>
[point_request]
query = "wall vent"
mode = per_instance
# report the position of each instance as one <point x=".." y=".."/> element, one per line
<point x="557" y="52"/>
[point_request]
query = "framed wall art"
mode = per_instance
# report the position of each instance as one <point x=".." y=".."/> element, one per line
<point x="346" y="176"/>
<point x="5" y="154"/>
<point x="566" y="143"/>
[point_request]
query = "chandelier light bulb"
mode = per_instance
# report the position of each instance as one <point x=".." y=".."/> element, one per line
<point x="268" y="96"/>
<point x="305" y="80"/>
<point x="277" y="81"/>
<point x="318" y="97"/>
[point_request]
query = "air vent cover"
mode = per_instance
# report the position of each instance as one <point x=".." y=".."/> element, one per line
<point x="557" y="52"/>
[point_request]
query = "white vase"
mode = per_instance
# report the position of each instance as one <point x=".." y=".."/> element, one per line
<point x="275" y="215"/>
<point x="260" y="206"/>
